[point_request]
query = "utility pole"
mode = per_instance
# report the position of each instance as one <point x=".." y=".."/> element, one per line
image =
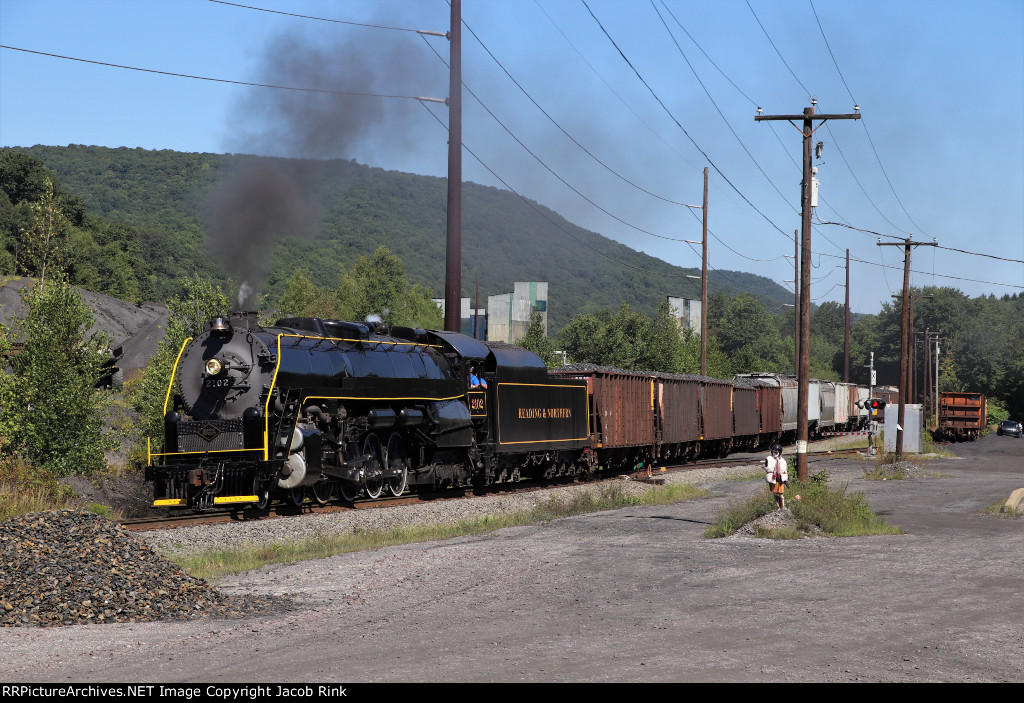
<point x="871" y="394"/>
<point x="453" y="256"/>
<point x="846" y="337"/>
<point x="704" y="282"/>
<point x="905" y="336"/>
<point x="703" y="278"/>
<point x="796" y="303"/>
<point x="935" y="386"/>
<point x="926" y="387"/>
<point x="804" y="364"/>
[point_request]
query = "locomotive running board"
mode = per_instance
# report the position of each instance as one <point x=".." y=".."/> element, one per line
<point x="223" y="500"/>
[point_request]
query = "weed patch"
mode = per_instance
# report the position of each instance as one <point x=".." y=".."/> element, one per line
<point x="821" y="511"/>
<point x="1000" y="510"/>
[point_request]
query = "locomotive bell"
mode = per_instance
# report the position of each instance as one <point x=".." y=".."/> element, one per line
<point x="220" y="325"/>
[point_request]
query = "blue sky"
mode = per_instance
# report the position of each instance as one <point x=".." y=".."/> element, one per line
<point x="939" y="151"/>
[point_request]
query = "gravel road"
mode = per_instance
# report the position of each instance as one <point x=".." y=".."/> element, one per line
<point x="629" y="595"/>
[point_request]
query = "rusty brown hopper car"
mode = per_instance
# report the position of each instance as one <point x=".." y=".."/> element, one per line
<point x="716" y="415"/>
<point x="962" y="416"/>
<point x="746" y="418"/>
<point x="677" y="409"/>
<point x="622" y="425"/>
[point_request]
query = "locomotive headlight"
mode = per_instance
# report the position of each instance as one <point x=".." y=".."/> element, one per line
<point x="214" y="367"/>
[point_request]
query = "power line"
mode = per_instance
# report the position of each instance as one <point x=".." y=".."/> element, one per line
<point x="866" y="132"/>
<point x="869" y="233"/>
<point x="533" y="205"/>
<point x="718" y="109"/>
<point x="781" y="58"/>
<point x="325" y="19"/>
<point x="677" y="123"/>
<point x="884" y="266"/>
<point x="551" y="170"/>
<point x="220" y="80"/>
<point x="562" y="129"/>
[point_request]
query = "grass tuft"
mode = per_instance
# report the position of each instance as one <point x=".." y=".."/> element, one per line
<point x="1000" y="510"/>
<point x="822" y="511"/>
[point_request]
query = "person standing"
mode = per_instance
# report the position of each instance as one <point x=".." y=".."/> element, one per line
<point x="776" y="476"/>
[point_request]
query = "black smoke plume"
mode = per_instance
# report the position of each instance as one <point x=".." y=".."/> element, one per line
<point x="259" y="203"/>
<point x="248" y="212"/>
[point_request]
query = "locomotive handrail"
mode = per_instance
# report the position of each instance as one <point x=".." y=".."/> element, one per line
<point x="174" y="372"/>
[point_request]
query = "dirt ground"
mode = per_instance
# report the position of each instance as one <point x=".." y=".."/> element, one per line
<point x="630" y="595"/>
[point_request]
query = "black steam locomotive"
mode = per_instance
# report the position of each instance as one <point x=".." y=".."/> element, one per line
<point x="312" y="408"/>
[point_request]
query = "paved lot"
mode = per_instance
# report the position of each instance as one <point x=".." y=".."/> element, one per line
<point x="630" y="595"/>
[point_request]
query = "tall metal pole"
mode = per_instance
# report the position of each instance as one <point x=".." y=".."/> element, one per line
<point x="704" y="284"/>
<point x="453" y="258"/>
<point x="804" y="366"/>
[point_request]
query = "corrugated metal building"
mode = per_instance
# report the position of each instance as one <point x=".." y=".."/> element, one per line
<point x="508" y="314"/>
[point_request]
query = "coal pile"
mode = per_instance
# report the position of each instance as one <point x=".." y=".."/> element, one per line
<point x="69" y="568"/>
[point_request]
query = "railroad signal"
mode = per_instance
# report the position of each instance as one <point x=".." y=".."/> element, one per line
<point x="876" y="404"/>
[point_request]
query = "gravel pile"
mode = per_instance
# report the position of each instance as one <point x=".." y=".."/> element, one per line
<point x="67" y="568"/>
<point x="776" y="519"/>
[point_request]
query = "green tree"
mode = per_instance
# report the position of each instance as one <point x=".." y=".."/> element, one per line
<point x="377" y="285"/>
<point x="628" y="340"/>
<point x="42" y="245"/>
<point x="187" y="314"/>
<point x="51" y="408"/>
<point x="539" y="343"/>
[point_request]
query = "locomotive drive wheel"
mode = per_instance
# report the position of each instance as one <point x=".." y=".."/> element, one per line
<point x="397" y="460"/>
<point x="348" y="492"/>
<point x="262" y="493"/>
<point x="322" y="492"/>
<point x="298" y="495"/>
<point x="374" y="479"/>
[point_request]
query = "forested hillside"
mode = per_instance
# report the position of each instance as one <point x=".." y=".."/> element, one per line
<point x="180" y="203"/>
<point x="135" y="223"/>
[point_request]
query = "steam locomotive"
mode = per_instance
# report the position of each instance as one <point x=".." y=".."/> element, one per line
<point x="312" y="408"/>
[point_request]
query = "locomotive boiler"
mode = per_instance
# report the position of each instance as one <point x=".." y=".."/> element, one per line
<point x="312" y="408"/>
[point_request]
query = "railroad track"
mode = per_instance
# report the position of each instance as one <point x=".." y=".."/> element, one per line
<point x="277" y="511"/>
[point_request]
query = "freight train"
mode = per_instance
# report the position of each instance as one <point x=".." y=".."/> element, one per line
<point x="312" y="409"/>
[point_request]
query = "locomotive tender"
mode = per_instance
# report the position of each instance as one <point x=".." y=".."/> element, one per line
<point x="310" y="407"/>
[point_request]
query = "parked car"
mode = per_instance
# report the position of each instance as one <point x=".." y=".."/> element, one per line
<point x="1011" y="428"/>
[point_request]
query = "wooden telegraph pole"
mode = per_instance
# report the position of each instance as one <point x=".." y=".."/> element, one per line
<point x="804" y="366"/>
<point x="453" y="255"/>
<point x="846" y="327"/>
<point x="905" y="336"/>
